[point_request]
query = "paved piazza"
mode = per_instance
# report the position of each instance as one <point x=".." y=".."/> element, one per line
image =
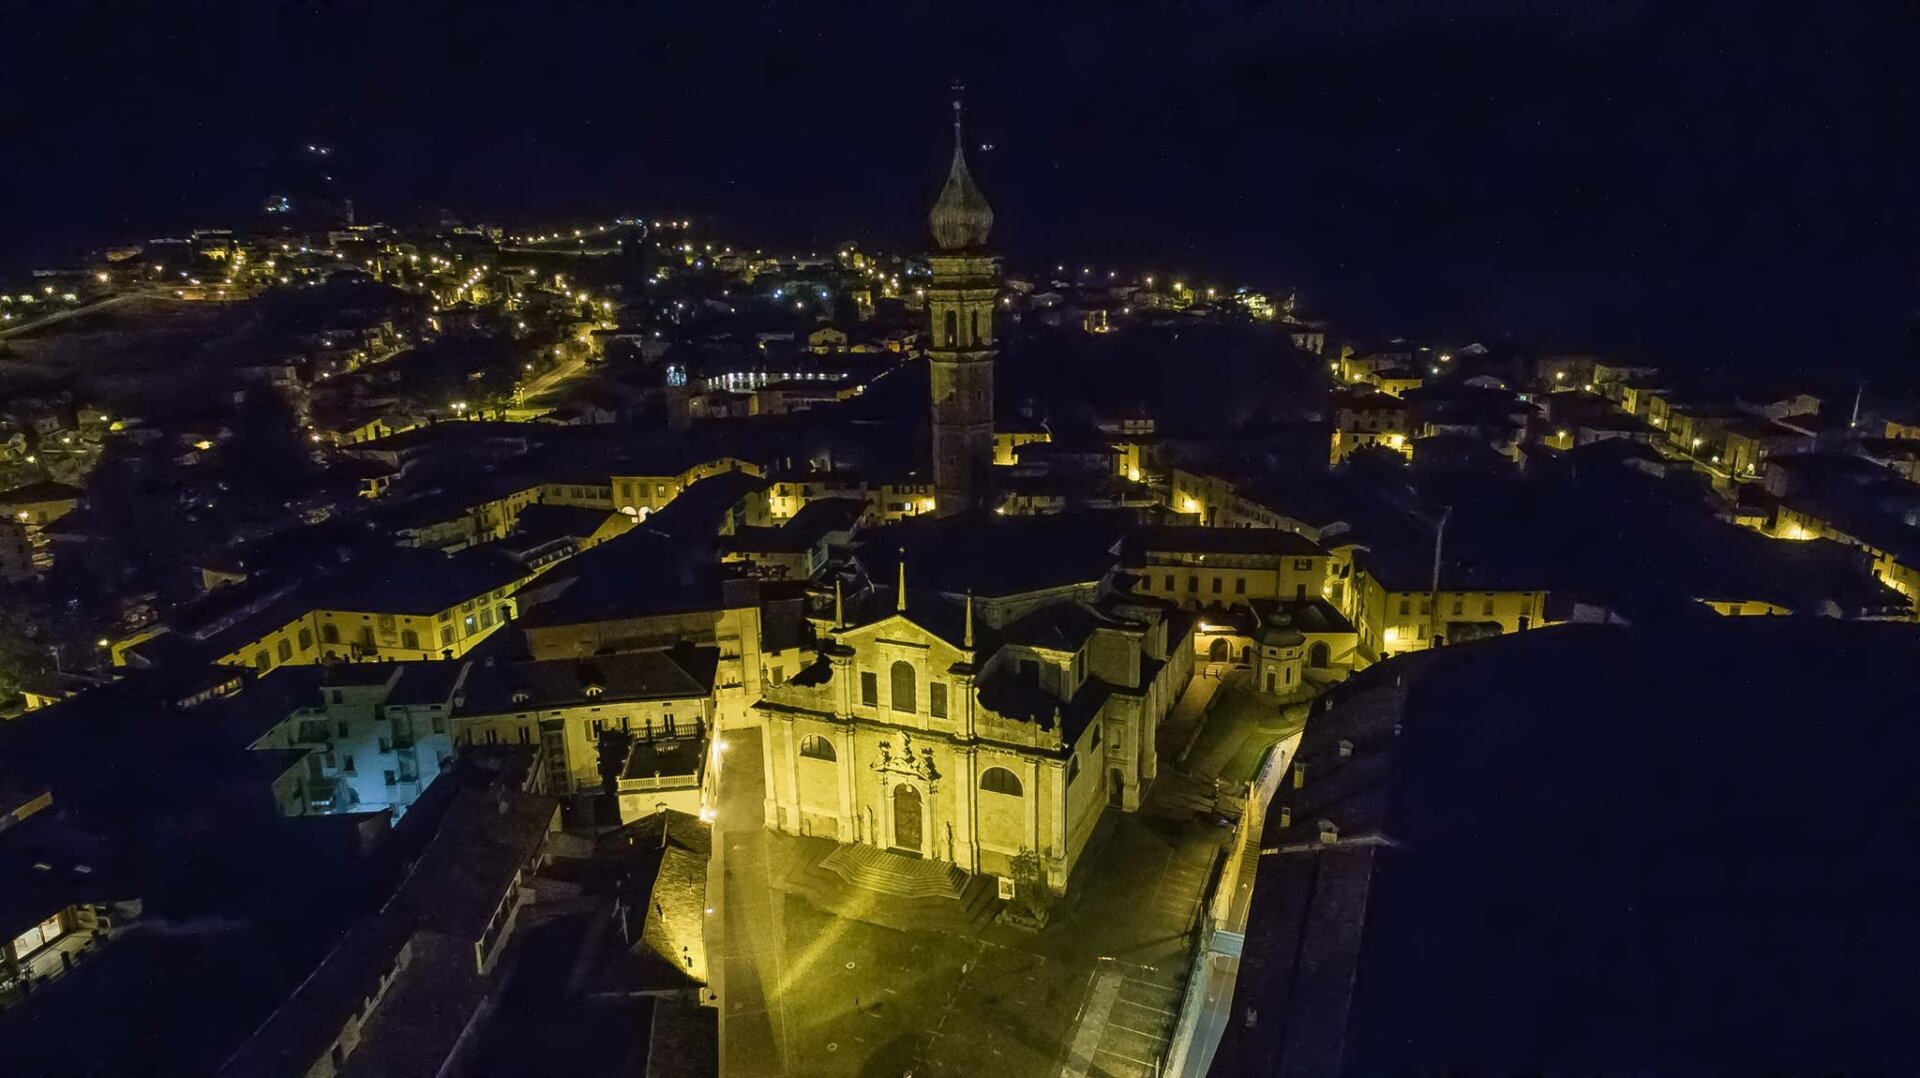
<point x="804" y="992"/>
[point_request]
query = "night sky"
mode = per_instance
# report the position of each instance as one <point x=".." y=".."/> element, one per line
<point x="1707" y="187"/>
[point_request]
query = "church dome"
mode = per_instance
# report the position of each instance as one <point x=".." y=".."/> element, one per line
<point x="961" y="219"/>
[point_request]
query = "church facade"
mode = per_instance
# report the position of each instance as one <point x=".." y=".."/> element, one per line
<point x="914" y="733"/>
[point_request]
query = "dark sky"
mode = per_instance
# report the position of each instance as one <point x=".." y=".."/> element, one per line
<point x="1709" y="185"/>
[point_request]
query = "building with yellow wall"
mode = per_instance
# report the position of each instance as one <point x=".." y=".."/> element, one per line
<point x="1370" y="419"/>
<point x="1197" y="567"/>
<point x="398" y="605"/>
<point x="889" y="501"/>
<point x="1394" y="616"/>
<point x="1220" y="501"/>
<point x="919" y="731"/>
<point x="24" y="514"/>
<point x="639" y="495"/>
<point x="1011" y="435"/>
<point x="662" y="699"/>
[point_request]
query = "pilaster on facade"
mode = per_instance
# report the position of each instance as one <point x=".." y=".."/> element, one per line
<point x="1057" y="855"/>
<point x="850" y="829"/>
<point x="967" y="803"/>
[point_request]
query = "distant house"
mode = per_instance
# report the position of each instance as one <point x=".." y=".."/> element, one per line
<point x="826" y="340"/>
<point x="25" y="512"/>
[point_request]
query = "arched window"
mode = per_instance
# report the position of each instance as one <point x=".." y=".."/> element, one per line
<point x="815" y="747"/>
<point x="903" y="694"/>
<point x="953" y="328"/>
<point x="1318" y="654"/>
<point x="1000" y="781"/>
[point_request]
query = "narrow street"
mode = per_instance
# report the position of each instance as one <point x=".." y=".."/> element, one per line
<point x="749" y="935"/>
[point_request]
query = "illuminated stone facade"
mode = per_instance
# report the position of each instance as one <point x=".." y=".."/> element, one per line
<point x="912" y="735"/>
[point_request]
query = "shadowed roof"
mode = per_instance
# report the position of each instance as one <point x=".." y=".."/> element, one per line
<point x="1598" y="851"/>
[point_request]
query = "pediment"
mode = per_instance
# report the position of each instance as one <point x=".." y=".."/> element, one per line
<point x="895" y="631"/>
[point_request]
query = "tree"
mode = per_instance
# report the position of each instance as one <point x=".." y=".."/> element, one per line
<point x="1033" y="896"/>
<point x="612" y="749"/>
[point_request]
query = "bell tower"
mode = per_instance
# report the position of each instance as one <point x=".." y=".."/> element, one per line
<point x="960" y="302"/>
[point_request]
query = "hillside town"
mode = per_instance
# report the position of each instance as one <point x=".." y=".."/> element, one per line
<point x="456" y="648"/>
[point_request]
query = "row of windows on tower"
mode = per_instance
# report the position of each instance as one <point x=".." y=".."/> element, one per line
<point x="951" y="336"/>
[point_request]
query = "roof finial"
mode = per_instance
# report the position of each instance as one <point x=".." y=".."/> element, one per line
<point x="959" y="92"/>
<point x="961" y="219"/>
<point x="966" y="639"/>
<point x="900" y="592"/>
<point x="839" y="606"/>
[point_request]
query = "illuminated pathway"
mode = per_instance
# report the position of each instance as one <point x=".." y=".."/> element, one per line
<point x="752" y="1021"/>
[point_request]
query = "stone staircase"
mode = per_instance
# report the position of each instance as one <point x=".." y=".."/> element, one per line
<point x="894" y="874"/>
<point x="905" y="893"/>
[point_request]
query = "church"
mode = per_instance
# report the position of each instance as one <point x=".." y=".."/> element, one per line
<point x="976" y="723"/>
<point x="970" y="730"/>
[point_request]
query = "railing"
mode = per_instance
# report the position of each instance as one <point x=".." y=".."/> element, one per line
<point x="1224" y="920"/>
<point x="659" y="782"/>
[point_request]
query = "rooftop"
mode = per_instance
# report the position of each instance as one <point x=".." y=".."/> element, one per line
<point x="44" y="491"/>
<point x="994" y="555"/>
<point x="663" y="674"/>
<point x="1193" y="539"/>
<point x="1533" y="905"/>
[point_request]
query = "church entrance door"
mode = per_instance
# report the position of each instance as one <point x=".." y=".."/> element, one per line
<point x="906" y="820"/>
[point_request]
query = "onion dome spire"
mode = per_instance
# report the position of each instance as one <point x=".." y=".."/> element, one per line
<point x="961" y="218"/>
